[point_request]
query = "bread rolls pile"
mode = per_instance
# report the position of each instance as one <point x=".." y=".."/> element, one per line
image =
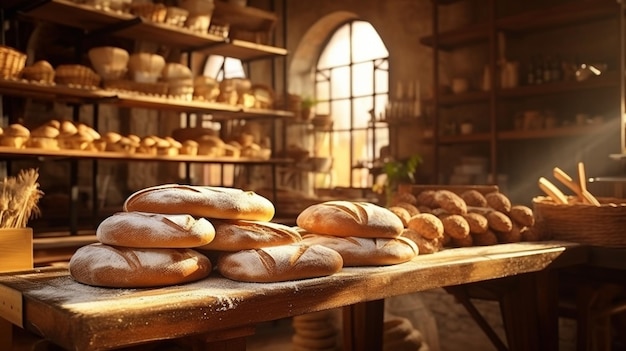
<point x="442" y="218"/>
<point x="363" y="233"/>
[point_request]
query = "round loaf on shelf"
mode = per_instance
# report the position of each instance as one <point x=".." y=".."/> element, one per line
<point x="357" y="251"/>
<point x="201" y="201"/>
<point x="244" y="235"/>
<point x="123" y="267"/>
<point x="348" y="218"/>
<point x="152" y="230"/>
<point x="280" y="263"/>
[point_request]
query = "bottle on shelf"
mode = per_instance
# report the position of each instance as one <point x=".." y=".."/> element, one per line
<point x="538" y="71"/>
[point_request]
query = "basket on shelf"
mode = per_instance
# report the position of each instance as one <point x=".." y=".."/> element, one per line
<point x="78" y="75"/>
<point x="158" y="88"/>
<point x="583" y="223"/>
<point x="11" y="62"/>
<point x="152" y="12"/>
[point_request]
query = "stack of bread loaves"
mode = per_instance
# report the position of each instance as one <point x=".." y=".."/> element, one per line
<point x="165" y="231"/>
<point x="363" y="233"/>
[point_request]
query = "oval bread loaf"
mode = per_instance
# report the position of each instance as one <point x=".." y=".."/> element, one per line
<point x="123" y="267"/>
<point x="357" y="251"/>
<point x="347" y="218"/>
<point x="201" y="201"/>
<point x="236" y="235"/>
<point x="280" y="263"/>
<point x="152" y="230"/>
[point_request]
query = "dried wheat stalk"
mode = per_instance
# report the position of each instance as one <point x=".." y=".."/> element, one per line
<point x="19" y="198"/>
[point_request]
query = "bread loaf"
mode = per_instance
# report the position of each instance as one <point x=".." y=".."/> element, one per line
<point x="357" y="251"/>
<point x="280" y="263"/>
<point x="152" y="230"/>
<point x="236" y="235"/>
<point x="122" y="267"/>
<point x="346" y="218"/>
<point x="201" y="201"/>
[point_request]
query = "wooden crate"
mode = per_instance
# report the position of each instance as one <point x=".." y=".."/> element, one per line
<point x="16" y="253"/>
<point x="16" y="249"/>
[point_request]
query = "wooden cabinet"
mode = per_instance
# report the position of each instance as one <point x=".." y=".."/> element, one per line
<point x="521" y="129"/>
<point x="94" y="24"/>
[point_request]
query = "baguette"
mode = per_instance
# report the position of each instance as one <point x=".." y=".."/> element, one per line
<point x="357" y="251"/>
<point x="151" y="230"/>
<point x="201" y="201"/>
<point x="122" y="267"/>
<point x="279" y="263"/>
<point x="347" y="218"/>
<point x="236" y="235"/>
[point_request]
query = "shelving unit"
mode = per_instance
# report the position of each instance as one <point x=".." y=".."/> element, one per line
<point x="95" y="23"/>
<point x="502" y="141"/>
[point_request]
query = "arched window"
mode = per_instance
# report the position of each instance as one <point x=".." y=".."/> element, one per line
<point x="351" y="85"/>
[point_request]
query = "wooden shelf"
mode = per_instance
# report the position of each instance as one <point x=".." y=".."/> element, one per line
<point x="568" y="131"/>
<point x="99" y="22"/>
<point x="469" y="97"/>
<point x="464" y="138"/>
<point x="560" y="15"/>
<point x="120" y="156"/>
<point x="551" y="17"/>
<point x="458" y="37"/>
<point x="610" y="80"/>
<point x="64" y="93"/>
<point x="245" y="18"/>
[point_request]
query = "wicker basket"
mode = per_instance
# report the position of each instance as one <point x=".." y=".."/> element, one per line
<point x="158" y="88"/>
<point x="583" y="223"/>
<point x="11" y="62"/>
<point x="152" y="12"/>
<point x="77" y="75"/>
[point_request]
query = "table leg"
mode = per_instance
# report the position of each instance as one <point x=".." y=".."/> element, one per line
<point x="224" y="340"/>
<point x="530" y="313"/>
<point x="363" y="326"/>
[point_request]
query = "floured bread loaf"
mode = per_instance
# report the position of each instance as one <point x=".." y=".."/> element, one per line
<point x="201" y="201"/>
<point x="346" y="218"/>
<point x="152" y="230"/>
<point x="236" y="235"/>
<point x="122" y="267"/>
<point x="357" y="251"/>
<point x="280" y="263"/>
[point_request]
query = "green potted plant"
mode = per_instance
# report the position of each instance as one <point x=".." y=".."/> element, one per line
<point x="306" y="108"/>
<point x="399" y="172"/>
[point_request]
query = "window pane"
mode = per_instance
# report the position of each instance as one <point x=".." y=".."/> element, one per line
<point x="366" y="43"/>
<point x="380" y="101"/>
<point x="362" y="79"/>
<point x="340" y="82"/>
<point x="381" y="80"/>
<point x="362" y="107"/>
<point x="337" y="51"/>
<point x="359" y="155"/>
<point x="341" y="158"/>
<point x="341" y="114"/>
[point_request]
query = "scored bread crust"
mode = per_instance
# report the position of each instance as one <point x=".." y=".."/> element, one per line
<point x="347" y="218"/>
<point x="357" y="251"/>
<point x="201" y="201"/>
<point x="279" y="263"/>
<point x="153" y="230"/>
<point x="123" y="267"/>
<point x="236" y="235"/>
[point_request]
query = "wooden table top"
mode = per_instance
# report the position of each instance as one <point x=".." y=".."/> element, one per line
<point x="81" y="317"/>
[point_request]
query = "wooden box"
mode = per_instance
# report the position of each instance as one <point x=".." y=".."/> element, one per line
<point x="16" y="249"/>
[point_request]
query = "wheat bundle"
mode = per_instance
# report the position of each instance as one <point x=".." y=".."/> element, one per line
<point x="19" y="198"/>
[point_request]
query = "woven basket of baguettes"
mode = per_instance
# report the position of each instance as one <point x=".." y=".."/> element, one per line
<point x="11" y="62"/>
<point x="603" y="225"/>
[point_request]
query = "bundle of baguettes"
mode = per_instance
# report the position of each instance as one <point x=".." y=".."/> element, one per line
<point x="363" y="233"/>
<point x="167" y="232"/>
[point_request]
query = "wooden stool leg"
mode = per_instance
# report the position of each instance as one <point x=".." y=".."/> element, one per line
<point x="363" y="326"/>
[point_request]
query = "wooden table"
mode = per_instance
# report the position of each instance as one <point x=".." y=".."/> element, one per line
<point x="221" y="313"/>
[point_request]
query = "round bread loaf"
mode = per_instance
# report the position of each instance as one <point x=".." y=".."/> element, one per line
<point x="153" y="230"/>
<point x="123" y="267"/>
<point x="357" y="251"/>
<point x="201" y="201"/>
<point x="346" y="218"/>
<point x="237" y="235"/>
<point x="280" y="263"/>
